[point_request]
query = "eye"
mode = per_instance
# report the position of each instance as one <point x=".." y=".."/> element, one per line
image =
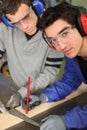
<point x="65" y="34"/>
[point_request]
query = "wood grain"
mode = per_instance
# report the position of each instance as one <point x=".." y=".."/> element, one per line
<point x="7" y="120"/>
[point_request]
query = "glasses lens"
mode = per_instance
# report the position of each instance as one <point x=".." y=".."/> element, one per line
<point x="66" y="35"/>
<point x="23" y="17"/>
<point x="63" y="37"/>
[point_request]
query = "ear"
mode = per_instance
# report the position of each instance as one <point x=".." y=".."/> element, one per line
<point x="82" y="24"/>
<point x="6" y="22"/>
<point x="4" y="19"/>
<point x="39" y="6"/>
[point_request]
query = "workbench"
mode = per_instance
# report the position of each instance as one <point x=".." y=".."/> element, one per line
<point x="9" y="122"/>
<point x="59" y="109"/>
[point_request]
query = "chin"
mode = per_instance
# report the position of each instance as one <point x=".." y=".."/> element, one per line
<point x="71" y="56"/>
<point x="31" y="33"/>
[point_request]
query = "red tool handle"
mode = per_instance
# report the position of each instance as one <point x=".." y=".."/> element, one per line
<point x="28" y="95"/>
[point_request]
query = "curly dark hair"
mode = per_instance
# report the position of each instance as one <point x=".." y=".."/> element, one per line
<point x="64" y="11"/>
<point x="11" y="6"/>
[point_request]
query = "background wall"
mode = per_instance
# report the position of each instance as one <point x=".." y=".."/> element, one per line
<point x="80" y="3"/>
<point x="74" y="2"/>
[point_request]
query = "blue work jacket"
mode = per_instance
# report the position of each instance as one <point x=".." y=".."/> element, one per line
<point x="72" y="78"/>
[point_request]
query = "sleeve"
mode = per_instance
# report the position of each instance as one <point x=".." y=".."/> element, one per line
<point x="2" y="40"/>
<point x="76" y="118"/>
<point x="49" y="73"/>
<point x="69" y="82"/>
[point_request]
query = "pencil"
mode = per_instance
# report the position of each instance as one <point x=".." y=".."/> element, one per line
<point x="28" y="95"/>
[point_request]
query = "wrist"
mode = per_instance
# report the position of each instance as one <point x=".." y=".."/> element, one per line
<point x="42" y="98"/>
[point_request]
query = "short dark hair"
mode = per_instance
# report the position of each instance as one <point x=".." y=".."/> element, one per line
<point x="11" y="6"/>
<point x="64" y="11"/>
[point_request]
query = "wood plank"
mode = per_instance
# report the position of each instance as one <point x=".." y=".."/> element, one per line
<point x="7" y="120"/>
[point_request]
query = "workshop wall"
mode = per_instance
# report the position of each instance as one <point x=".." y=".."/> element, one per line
<point x="75" y="2"/>
<point x="80" y="3"/>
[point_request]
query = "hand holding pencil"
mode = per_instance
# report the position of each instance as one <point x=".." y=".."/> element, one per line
<point x="30" y="101"/>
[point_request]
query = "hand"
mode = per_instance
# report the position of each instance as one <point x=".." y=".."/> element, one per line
<point x="53" y="122"/>
<point x="2" y="108"/>
<point x="35" y="100"/>
<point x="14" y="101"/>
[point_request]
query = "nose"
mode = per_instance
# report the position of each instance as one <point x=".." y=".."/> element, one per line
<point x="62" y="44"/>
<point x="23" y="24"/>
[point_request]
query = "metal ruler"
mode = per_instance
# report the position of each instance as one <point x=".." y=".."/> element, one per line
<point x="22" y="116"/>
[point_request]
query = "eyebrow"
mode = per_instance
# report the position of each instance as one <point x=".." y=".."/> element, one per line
<point x="63" y="30"/>
<point x="59" y="32"/>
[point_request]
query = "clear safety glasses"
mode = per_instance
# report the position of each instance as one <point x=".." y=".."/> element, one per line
<point x="62" y="37"/>
<point x="26" y="16"/>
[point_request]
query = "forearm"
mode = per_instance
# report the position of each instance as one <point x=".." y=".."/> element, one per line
<point x="23" y="91"/>
<point x="59" y="90"/>
<point x="41" y="82"/>
<point x="76" y="118"/>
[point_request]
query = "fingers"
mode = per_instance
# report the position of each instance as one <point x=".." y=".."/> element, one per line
<point x="34" y="101"/>
<point x="30" y="105"/>
<point x="23" y="104"/>
<point x="11" y="103"/>
<point x="2" y="108"/>
<point x="44" y="126"/>
<point x="34" y="104"/>
<point x="44" y="119"/>
<point x="14" y="101"/>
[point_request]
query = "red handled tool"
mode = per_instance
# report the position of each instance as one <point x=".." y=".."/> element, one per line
<point x="27" y="96"/>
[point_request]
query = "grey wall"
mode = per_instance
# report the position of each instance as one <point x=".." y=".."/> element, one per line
<point x="80" y="3"/>
<point x="75" y="2"/>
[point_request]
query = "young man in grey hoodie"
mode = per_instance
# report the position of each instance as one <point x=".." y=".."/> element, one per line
<point x="28" y="55"/>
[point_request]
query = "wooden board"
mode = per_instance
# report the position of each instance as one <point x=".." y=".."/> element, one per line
<point x="7" y="120"/>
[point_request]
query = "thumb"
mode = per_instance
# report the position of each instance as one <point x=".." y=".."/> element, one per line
<point x="2" y="108"/>
<point x="9" y="102"/>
